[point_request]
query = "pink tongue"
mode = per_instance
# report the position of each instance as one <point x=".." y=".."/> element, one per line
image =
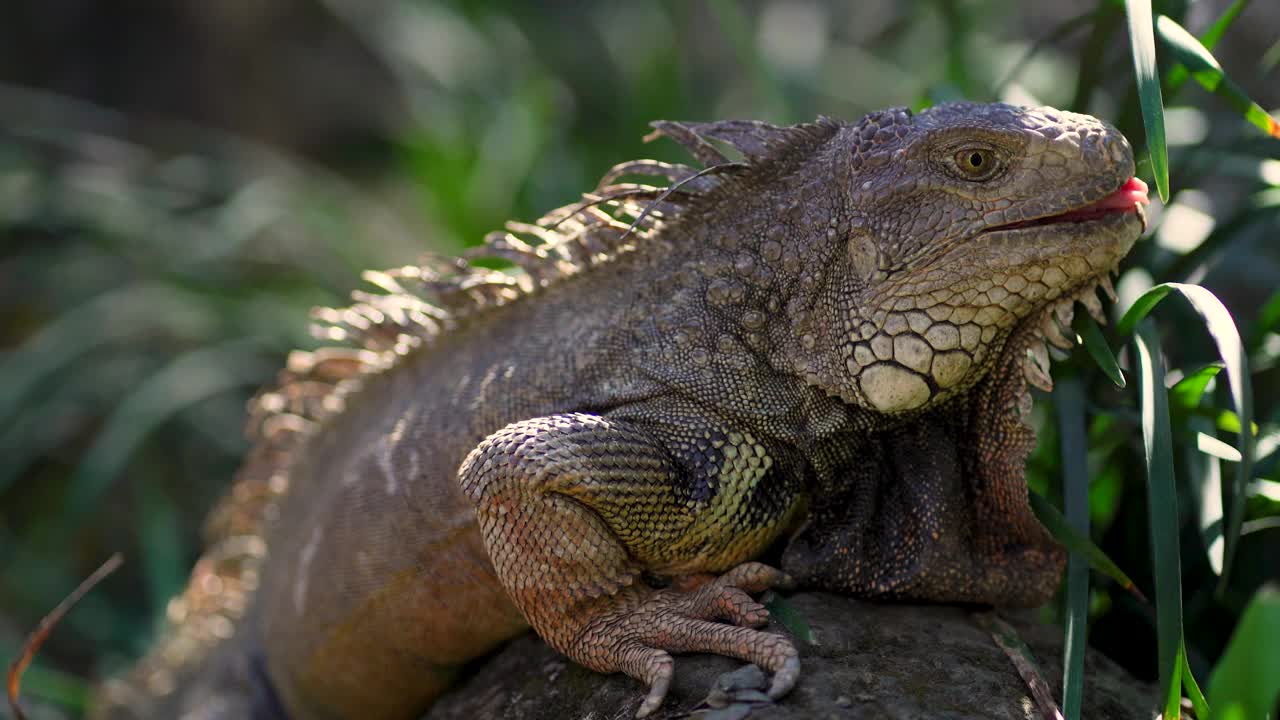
<point x="1133" y="193"/>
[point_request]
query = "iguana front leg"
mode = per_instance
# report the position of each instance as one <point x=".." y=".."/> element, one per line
<point x="573" y="508"/>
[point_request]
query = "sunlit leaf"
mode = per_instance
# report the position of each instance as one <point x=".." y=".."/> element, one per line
<point x="1186" y="393"/>
<point x="1246" y="682"/>
<point x="1184" y="47"/>
<point x="1190" y="685"/>
<point x="1162" y="512"/>
<point x="1204" y="477"/>
<point x="1098" y="348"/>
<point x="1222" y="329"/>
<point x="1143" y="46"/>
<point x="1209" y="38"/>
<point x="1210" y="445"/>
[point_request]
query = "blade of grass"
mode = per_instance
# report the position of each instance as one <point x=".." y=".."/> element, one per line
<point x="1178" y="75"/>
<point x="1190" y="685"/>
<point x="1246" y="682"/>
<point x="1068" y="396"/>
<point x="1186" y="49"/>
<point x="1098" y="348"/>
<point x="1227" y="338"/>
<point x="1143" y="45"/>
<point x="1212" y="446"/>
<point x="1162" y="507"/>
<point x="1204" y="476"/>
<point x="1186" y="393"/>
<point x="1024" y="661"/>
<point x="1057" y="525"/>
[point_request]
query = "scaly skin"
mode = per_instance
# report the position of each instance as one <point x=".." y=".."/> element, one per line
<point x="823" y="350"/>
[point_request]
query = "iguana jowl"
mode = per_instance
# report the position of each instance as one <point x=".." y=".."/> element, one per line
<point x="822" y="349"/>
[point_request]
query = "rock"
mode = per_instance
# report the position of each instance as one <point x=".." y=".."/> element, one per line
<point x="869" y="661"/>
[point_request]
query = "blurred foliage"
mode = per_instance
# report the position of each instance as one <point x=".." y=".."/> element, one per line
<point x="155" y="268"/>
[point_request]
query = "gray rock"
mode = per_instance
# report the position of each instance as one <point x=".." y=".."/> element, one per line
<point x="869" y="661"/>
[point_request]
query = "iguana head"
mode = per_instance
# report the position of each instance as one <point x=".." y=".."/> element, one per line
<point x="971" y="231"/>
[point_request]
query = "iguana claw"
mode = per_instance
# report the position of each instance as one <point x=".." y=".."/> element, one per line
<point x="682" y="622"/>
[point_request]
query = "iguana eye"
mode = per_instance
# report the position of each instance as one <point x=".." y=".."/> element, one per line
<point x="976" y="163"/>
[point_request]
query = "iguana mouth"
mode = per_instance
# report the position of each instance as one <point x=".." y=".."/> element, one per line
<point x="1051" y="327"/>
<point x="1128" y="198"/>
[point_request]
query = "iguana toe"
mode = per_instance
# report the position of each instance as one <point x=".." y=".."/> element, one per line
<point x="641" y="637"/>
<point x="785" y="678"/>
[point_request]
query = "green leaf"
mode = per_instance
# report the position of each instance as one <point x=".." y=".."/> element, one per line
<point x="1223" y="330"/>
<point x="1162" y="510"/>
<point x="1246" y="682"/>
<point x="1190" y="685"/>
<point x="1187" y="50"/>
<point x="1225" y="420"/>
<point x="1068" y="396"/>
<point x="1098" y="348"/>
<point x="1204" y="479"/>
<point x="790" y="618"/>
<point x="1178" y="75"/>
<point x="1210" y="445"/>
<point x="1143" y="46"/>
<point x="1187" y="392"/>
<point x="1075" y="542"/>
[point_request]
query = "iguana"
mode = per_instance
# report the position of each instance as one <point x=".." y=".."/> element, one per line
<point x="816" y="354"/>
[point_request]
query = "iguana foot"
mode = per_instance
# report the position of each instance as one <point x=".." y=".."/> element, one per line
<point x="637" y="635"/>
<point x="574" y="508"/>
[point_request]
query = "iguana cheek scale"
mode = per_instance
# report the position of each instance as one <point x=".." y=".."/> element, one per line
<point x="817" y="355"/>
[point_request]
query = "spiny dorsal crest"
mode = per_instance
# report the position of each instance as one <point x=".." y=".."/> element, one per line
<point x="418" y="302"/>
